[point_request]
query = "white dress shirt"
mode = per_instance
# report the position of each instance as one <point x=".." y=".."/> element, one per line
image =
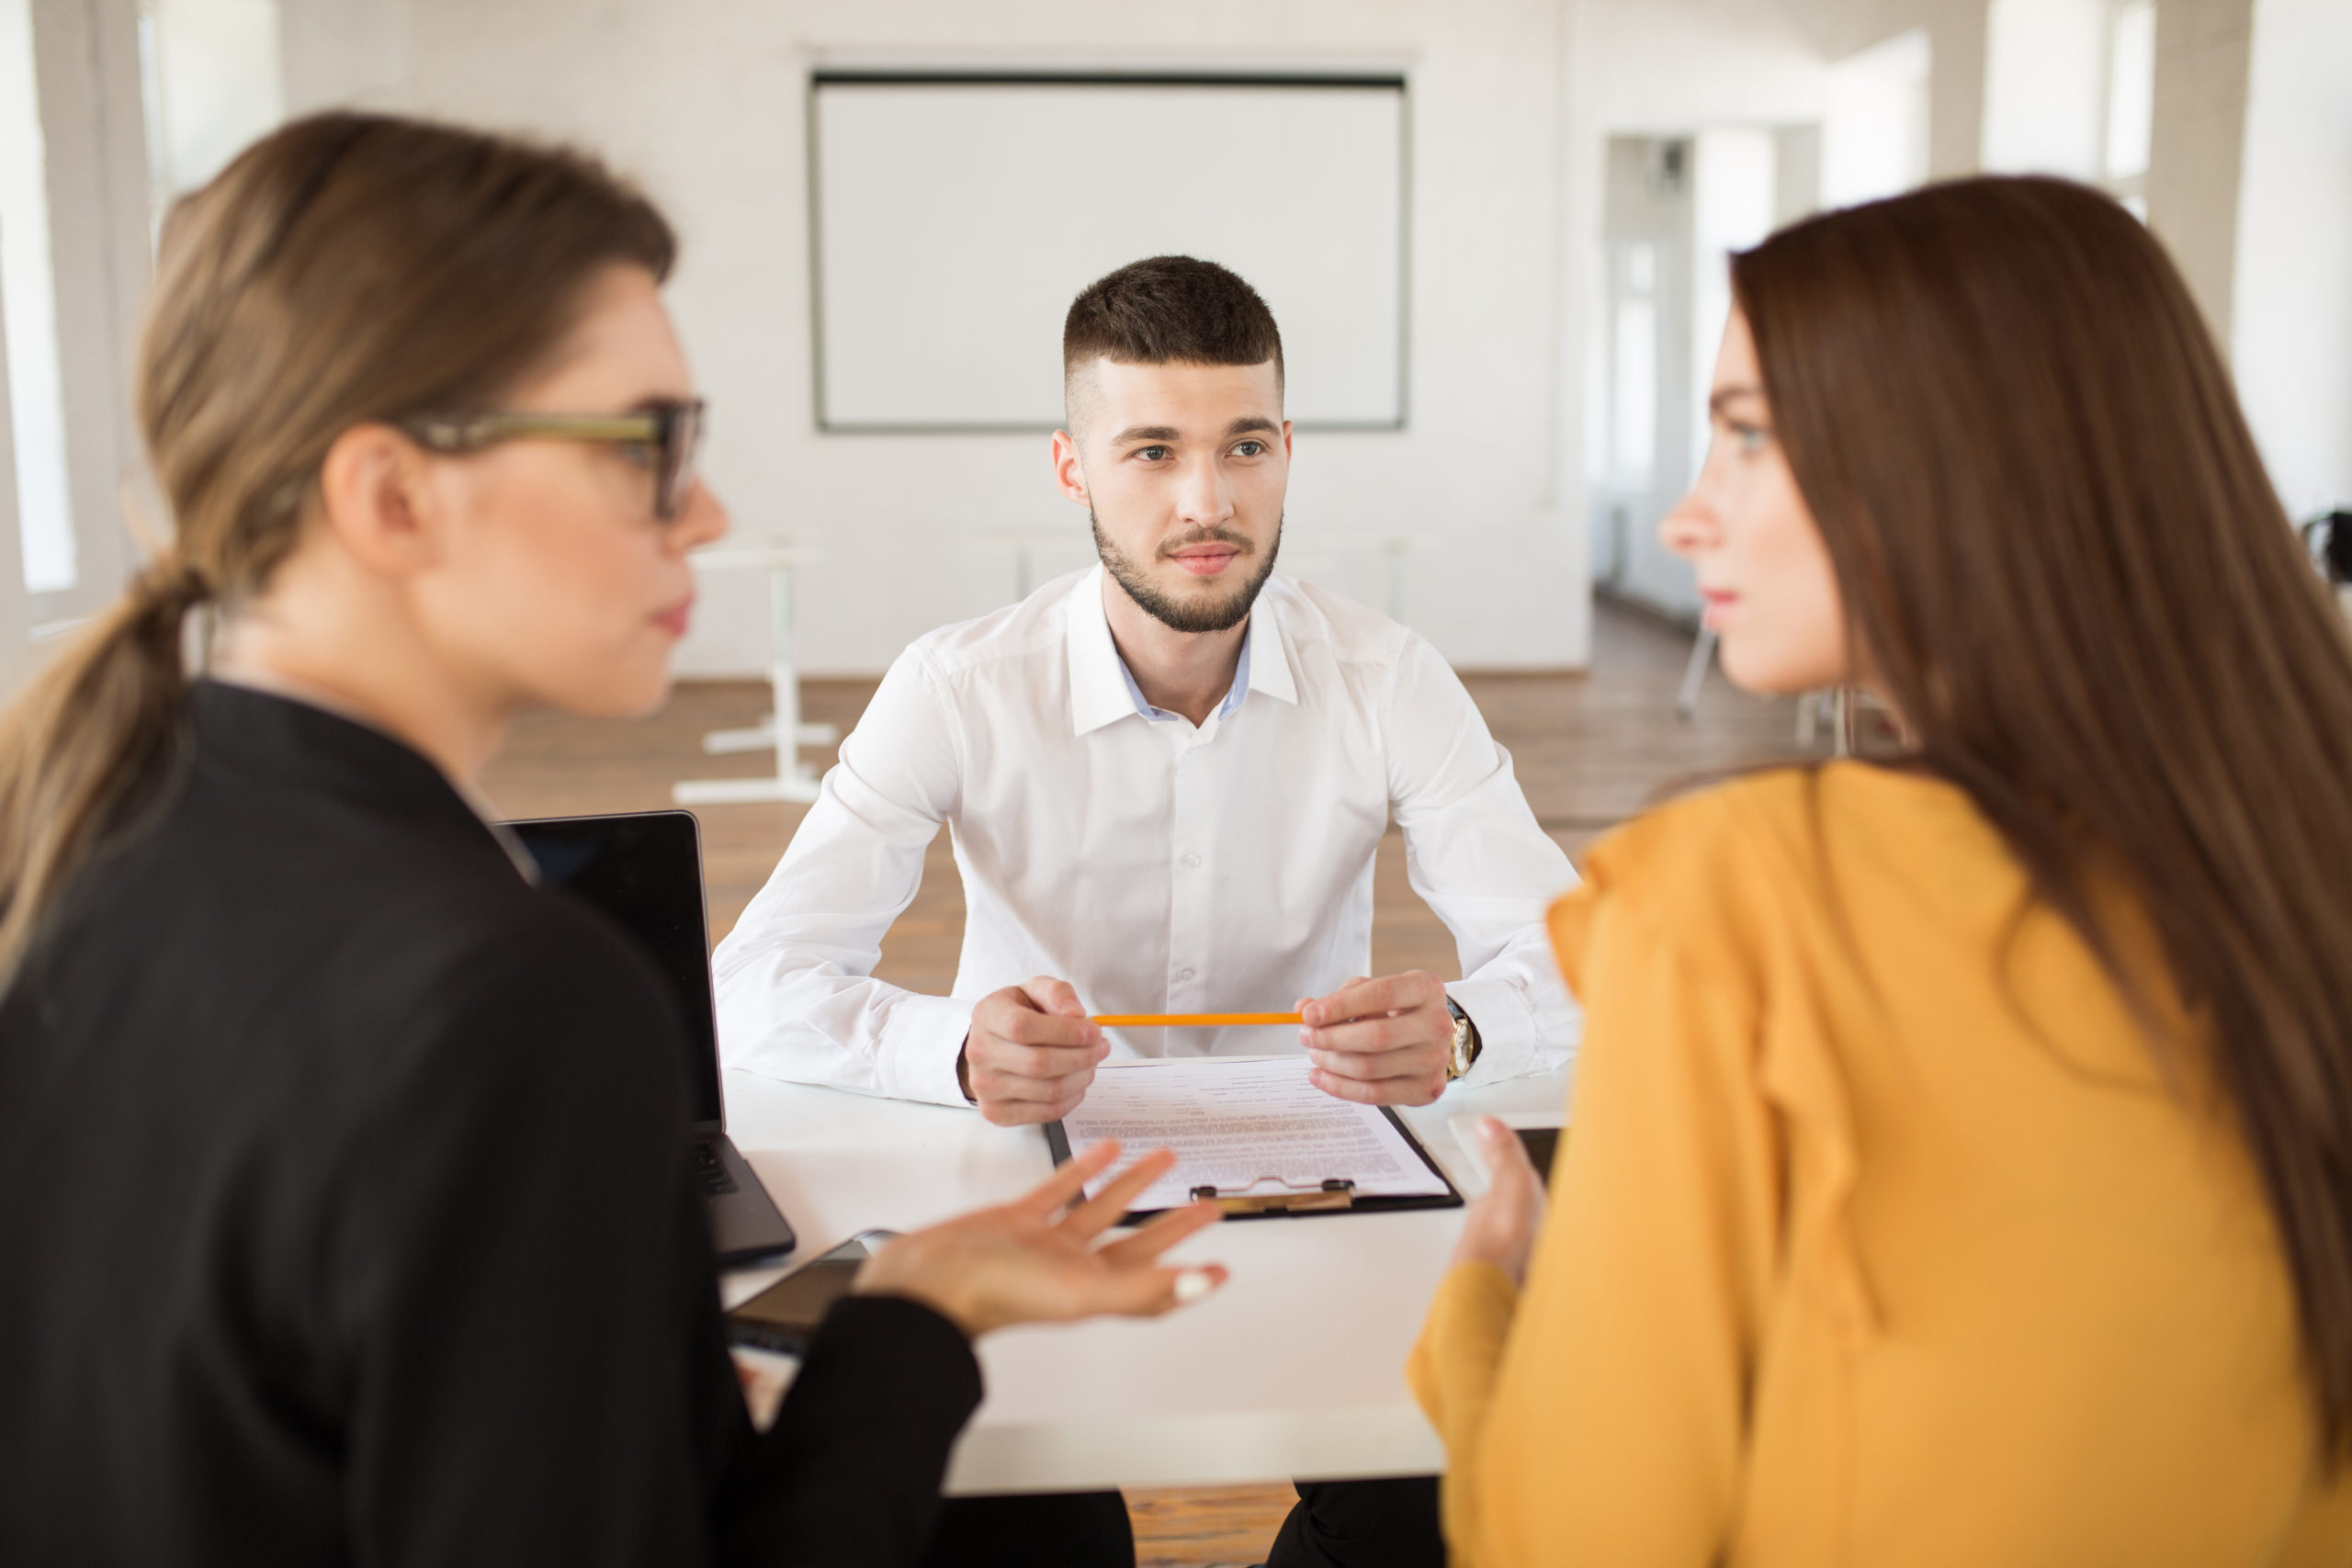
<point x="1155" y="865"/>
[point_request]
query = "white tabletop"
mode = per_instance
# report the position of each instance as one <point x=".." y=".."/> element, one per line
<point x="755" y="557"/>
<point x="1295" y="1369"/>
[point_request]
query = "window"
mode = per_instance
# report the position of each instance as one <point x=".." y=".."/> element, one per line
<point x="2070" y="89"/>
<point x="2045" y="68"/>
<point x="209" y="79"/>
<point x="1737" y="175"/>
<point x="28" y="309"/>
<point x="1633" y="448"/>
<point x="2131" y="101"/>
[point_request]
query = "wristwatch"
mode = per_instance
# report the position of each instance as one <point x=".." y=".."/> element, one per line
<point x="1465" y="1042"/>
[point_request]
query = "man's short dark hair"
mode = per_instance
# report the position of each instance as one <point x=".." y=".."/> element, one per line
<point x="1171" y="310"/>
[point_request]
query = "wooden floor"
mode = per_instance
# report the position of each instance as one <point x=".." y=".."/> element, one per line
<point x="1591" y="749"/>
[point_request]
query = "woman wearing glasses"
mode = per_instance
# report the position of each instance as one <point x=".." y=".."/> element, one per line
<point x="344" y="1204"/>
<point x="1962" y="1163"/>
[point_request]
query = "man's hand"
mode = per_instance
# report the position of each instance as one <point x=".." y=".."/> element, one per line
<point x="1383" y="1042"/>
<point x="1030" y="1052"/>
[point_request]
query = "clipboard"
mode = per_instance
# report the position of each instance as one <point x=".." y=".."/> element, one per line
<point x="1271" y="1199"/>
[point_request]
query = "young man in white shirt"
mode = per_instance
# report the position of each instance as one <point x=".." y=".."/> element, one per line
<point x="1166" y="777"/>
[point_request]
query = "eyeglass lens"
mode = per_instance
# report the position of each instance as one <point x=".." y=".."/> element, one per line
<point x="681" y="457"/>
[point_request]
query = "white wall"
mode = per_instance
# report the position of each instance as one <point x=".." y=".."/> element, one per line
<point x="703" y="99"/>
<point x="1955" y="33"/>
<point x="1671" y="66"/>
<point x="2196" y="146"/>
<point x="1875" y="132"/>
<point x="2292" y="337"/>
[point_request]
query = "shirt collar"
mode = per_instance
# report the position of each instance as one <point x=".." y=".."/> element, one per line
<point x="307" y="742"/>
<point x="303" y="694"/>
<point x="1104" y="690"/>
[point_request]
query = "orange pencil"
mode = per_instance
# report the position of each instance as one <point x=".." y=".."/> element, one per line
<point x="1189" y="1019"/>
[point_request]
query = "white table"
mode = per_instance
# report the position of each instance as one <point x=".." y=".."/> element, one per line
<point x="793" y="780"/>
<point x="1295" y="1369"/>
<point x="1025" y="546"/>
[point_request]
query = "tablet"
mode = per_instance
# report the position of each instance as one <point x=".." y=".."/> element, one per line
<point x="1540" y="1132"/>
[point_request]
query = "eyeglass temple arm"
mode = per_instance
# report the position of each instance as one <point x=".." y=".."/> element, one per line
<point x="479" y="430"/>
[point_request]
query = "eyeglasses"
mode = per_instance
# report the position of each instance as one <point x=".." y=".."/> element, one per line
<point x="668" y="433"/>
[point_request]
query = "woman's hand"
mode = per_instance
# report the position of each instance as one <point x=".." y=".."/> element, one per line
<point x="1500" y="1227"/>
<point x="1027" y="1261"/>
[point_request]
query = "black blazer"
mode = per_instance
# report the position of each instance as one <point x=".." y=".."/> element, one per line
<point x="346" y="1212"/>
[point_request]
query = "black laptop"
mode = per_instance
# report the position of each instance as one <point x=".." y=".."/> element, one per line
<point x="643" y="869"/>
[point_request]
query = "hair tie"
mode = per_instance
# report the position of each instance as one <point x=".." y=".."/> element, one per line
<point x="173" y="585"/>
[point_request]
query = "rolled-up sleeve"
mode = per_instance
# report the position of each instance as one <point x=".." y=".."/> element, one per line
<point x="797" y="999"/>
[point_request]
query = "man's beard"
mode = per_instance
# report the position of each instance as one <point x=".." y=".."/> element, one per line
<point x="1212" y="616"/>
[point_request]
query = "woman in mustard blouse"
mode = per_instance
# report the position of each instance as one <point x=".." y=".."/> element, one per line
<point x="1962" y="1157"/>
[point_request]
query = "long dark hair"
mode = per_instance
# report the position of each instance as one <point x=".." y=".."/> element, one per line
<point x="2067" y="569"/>
<point x="345" y="270"/>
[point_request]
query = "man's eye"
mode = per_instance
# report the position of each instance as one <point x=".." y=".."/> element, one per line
<point x="1250" y="449"/>
<point x="638" y="452"/>
<point x="1151" y="453"/>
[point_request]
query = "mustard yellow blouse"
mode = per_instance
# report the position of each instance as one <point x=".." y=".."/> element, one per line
<point x="1883" y="1238"/>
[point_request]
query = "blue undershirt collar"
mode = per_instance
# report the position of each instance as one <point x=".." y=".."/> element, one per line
<point x="1223" y="709"/>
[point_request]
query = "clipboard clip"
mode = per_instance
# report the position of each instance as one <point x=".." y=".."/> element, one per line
<point x="1333" y="1193"/>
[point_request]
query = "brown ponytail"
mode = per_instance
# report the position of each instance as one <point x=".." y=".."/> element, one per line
<point x="346" y="268"/>
<point x="2056" y="541"/>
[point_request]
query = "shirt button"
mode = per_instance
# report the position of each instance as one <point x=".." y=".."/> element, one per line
<point x="1183" y="973"/>
<point x="1192" y="863"/>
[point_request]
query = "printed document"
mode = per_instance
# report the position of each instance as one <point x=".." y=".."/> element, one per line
<point x="1245" y="1128"/>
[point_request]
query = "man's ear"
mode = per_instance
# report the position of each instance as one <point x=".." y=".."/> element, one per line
<point x="1069" y="469"/>
<point x="377" y="501"/>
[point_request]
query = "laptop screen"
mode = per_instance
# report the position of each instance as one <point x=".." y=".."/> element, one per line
<point x="644" y="871"/>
